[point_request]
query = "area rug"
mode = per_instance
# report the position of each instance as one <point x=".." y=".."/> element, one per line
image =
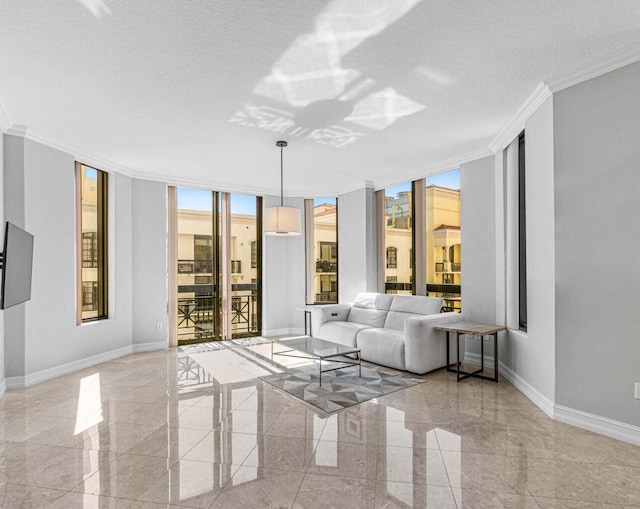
<point x="342" y="388"/>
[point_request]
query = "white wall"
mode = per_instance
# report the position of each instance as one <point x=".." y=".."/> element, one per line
<point x="283" y="273"/>
<point x="2" y="383"/>
<point x="531" y="356"/>
<point x="477" y="191"/>
<point x="478" y="240"/>
<point x="51" y="336"/>
<point x="149" y="213"/>
<point x="357" y="249"/>
<point x="13" y="193"/>
<point x="597" y="206"/>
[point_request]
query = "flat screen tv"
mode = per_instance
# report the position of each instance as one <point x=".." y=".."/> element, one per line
<point x="17" y="261"/>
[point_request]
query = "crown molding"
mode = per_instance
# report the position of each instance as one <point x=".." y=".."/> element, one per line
<point x="5" y="119"/>
<point x="210" y="184"/>
<point x="606" y="63"/>
<point x="445" y="165"/>
<point x="517" y="121"/>
<point x="17" y="130"/>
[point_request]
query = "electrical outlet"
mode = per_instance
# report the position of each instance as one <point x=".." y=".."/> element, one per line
<point x="637" y="390"/>
<point x="159" y="325"/>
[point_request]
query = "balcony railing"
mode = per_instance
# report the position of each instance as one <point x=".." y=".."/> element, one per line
<point x="453" y="267"/>
<point x="196" y="312"/>
<point x="195" y="267"/>
<point x="236" y="266"/>
<point x="327" y="297"/>
<point x="326" y="266"/>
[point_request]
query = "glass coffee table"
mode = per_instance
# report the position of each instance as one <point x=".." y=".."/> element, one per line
<point x="306" y="347"/>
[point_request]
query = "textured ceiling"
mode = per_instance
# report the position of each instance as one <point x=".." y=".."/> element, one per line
<point x="363" y="90"/>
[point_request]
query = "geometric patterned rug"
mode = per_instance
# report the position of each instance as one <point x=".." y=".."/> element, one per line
<point x="342" y="388"/>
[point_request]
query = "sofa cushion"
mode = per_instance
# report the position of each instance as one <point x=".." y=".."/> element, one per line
<point x="370" y="309"/>
<point x="407" y="306"/>
<point x="340" y="332"/>
<point x="370" y="300"/>
<point x="382" y="346"/>
<point x="416" y="304"/>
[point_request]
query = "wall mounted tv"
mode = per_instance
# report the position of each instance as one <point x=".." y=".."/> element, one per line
<point x="16" y="262"/>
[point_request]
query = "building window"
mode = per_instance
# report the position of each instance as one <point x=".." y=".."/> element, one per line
<point x="254" y="254"/>
<point x="392" y="258"/>
<point x="522" y="235"/>
<point x="89" y="250"/>
<point x="91" y="191"/>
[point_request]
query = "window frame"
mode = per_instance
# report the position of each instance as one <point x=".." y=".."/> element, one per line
<point x="522" y="235"/>
<point x="101" y="246"/>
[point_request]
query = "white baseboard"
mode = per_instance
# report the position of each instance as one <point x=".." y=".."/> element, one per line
<point x="591" y="422"/>
<point x="17" y="382"/>
<point x="597" y="424"/>
<point x="149" y="347"/>
<point x="283" y="331"/>
<point x="3" y="387"/>
<point x="539" y="399"/>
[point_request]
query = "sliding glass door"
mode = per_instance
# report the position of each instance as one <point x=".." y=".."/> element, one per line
<point x="219" y="255"/>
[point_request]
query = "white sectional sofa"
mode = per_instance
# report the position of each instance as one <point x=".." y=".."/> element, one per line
<point x="391" y="330"/>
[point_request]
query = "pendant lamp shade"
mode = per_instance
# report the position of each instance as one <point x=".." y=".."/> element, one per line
<point x="282" y="221"/>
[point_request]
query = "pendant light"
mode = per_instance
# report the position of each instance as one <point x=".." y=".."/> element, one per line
<point x="282" y="221"/>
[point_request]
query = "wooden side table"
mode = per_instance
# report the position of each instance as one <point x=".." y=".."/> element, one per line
<point x="477" y="329"/>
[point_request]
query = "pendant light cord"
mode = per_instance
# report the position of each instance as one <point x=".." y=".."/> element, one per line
<point x="281" y="180"/>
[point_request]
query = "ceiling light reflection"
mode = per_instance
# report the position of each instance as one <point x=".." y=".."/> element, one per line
<point x="89" y="412"/>
<point x="381" y="109"/>
<point x="434" y="76"/>
<point x="96" y="7"/>
<point x="310" y="72"/>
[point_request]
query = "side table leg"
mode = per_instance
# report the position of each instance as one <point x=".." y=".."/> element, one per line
<point x="448" y="360"/>
<point x="495" y="357"/>
<point x="481" y="353"/>
<point x="458" y="356"/>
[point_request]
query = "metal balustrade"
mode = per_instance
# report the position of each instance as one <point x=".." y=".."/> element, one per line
<point x="326" y="266"/>
<point x="196" y="312"/>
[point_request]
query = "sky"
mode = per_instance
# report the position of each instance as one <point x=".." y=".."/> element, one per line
<point x="449" y="179"/>
<point x="200" y="199"/>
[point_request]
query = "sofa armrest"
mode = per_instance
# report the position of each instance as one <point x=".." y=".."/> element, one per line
<point x="426" y="348"/>
<point x="321" y="314"/>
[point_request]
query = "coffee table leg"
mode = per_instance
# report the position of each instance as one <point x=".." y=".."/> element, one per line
<point x="320" y="372"/>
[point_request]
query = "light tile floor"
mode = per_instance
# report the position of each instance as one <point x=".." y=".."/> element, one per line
<point x="169" y="430"/>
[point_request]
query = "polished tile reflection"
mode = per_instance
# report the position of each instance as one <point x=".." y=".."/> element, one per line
<point x="169" y="429"/>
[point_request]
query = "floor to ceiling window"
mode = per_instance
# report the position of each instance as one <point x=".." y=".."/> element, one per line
<point x="92" y="243"/>
<point x="322" y="250"/>
<point x="398" y="239"/>
<point x="219" y="265"/>
<point x="245" y="236"/>
<point x="443" y="242"/>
